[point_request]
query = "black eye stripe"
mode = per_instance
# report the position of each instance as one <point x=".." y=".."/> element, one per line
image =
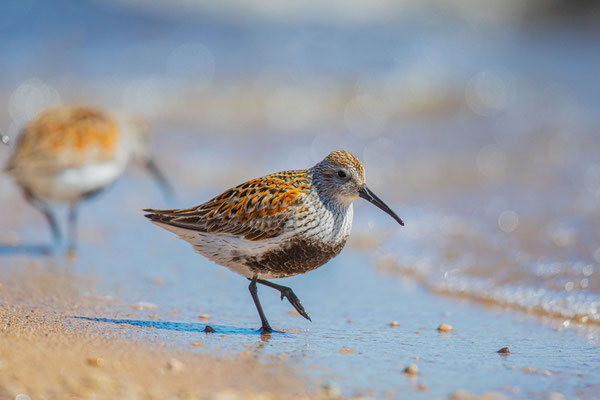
<point x="341" y="174"/>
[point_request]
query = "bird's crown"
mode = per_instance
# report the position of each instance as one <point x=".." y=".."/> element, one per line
<point x="341" y="158"/>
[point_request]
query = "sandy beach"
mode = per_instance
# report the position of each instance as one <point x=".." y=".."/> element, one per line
<point x="45" y="352"/>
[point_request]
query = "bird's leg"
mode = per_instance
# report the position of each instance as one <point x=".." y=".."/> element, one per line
<point x="72" y="229"/>
<point x="289" y="294"/>
<point x="44" y="209"/>
<point x="265" y="328"/>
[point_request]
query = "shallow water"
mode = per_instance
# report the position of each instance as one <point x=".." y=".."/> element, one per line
<point x="484" y="139"/>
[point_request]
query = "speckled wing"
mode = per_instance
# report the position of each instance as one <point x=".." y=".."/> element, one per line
<point x="63" y="138"/>
<point x="255" y="210"/>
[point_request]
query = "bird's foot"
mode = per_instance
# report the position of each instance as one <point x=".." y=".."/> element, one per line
<point x="265" y="330"/>
<point x="294" y="301"/>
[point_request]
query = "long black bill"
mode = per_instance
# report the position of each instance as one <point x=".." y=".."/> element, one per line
<point x="366" y="194"/>
<point x="161" y="180"/>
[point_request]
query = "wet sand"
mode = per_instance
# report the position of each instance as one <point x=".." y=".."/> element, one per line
<point x="62" y="336"/>
<point x="47" y="353"/>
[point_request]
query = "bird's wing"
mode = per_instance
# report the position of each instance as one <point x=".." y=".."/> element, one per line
<point x="255" y="210"/>
<point x="65" y="137"/>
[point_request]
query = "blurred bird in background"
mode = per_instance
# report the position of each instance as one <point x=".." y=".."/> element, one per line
<point x="69" y="154"/>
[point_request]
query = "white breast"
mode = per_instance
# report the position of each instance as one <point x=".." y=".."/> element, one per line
<point x="224" y="249"/>
<point x="70" y="184"/>
<point x="329" y="224"/>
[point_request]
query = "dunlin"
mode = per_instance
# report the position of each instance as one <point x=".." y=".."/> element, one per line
<point x="69" y="154"/>
<point x="280" y="225"/>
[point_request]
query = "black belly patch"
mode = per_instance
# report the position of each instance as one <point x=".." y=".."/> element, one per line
<point x="297" y="257"/>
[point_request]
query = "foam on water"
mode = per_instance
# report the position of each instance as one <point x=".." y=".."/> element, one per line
<point x="534" y="274"/>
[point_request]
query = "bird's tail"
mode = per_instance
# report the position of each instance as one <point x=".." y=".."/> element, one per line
<point x="181" y="218"/>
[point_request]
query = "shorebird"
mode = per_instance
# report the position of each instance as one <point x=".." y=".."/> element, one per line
<point x="69" y="154"/>
<point x="280" y="225"/>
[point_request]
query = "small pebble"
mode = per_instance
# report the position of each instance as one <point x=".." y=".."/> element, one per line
<point x="504" y="351"/>
<point x="208" y="329"/>
<point x="556" y="396"/>
<point x="95" y="361"/>
<point x="204" y="316"/>
<point x="143" y="305"/>
<point x="331" y="391"/>
<point x="71" y="256"/>
<point x="197" y="344"/>
<point x="394" y="323"/>
<point x="421" y="387"/>
<point x="158" y="280"/>
<point x="411" y="370"/>
<point x="175" y="365"/>
<point x="346" y="351"/>
<point x="445" y="328"/>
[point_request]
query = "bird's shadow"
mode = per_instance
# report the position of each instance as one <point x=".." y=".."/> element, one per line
<point x="32" y="249"/>
<point x="184" y="326"/>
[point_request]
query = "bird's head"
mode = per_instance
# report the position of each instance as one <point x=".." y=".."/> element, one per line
<point x="136" y="132"/>
<point x="341" y="177"/>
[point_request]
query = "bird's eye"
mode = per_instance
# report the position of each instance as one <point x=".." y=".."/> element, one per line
<point x="341" y="174"/>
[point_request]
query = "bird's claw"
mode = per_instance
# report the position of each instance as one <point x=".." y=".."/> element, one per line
<point x="295" y="301"/>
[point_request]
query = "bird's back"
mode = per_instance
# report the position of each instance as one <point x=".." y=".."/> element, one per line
<point x="65" y="137"/>
<point x="66" y="153"/>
